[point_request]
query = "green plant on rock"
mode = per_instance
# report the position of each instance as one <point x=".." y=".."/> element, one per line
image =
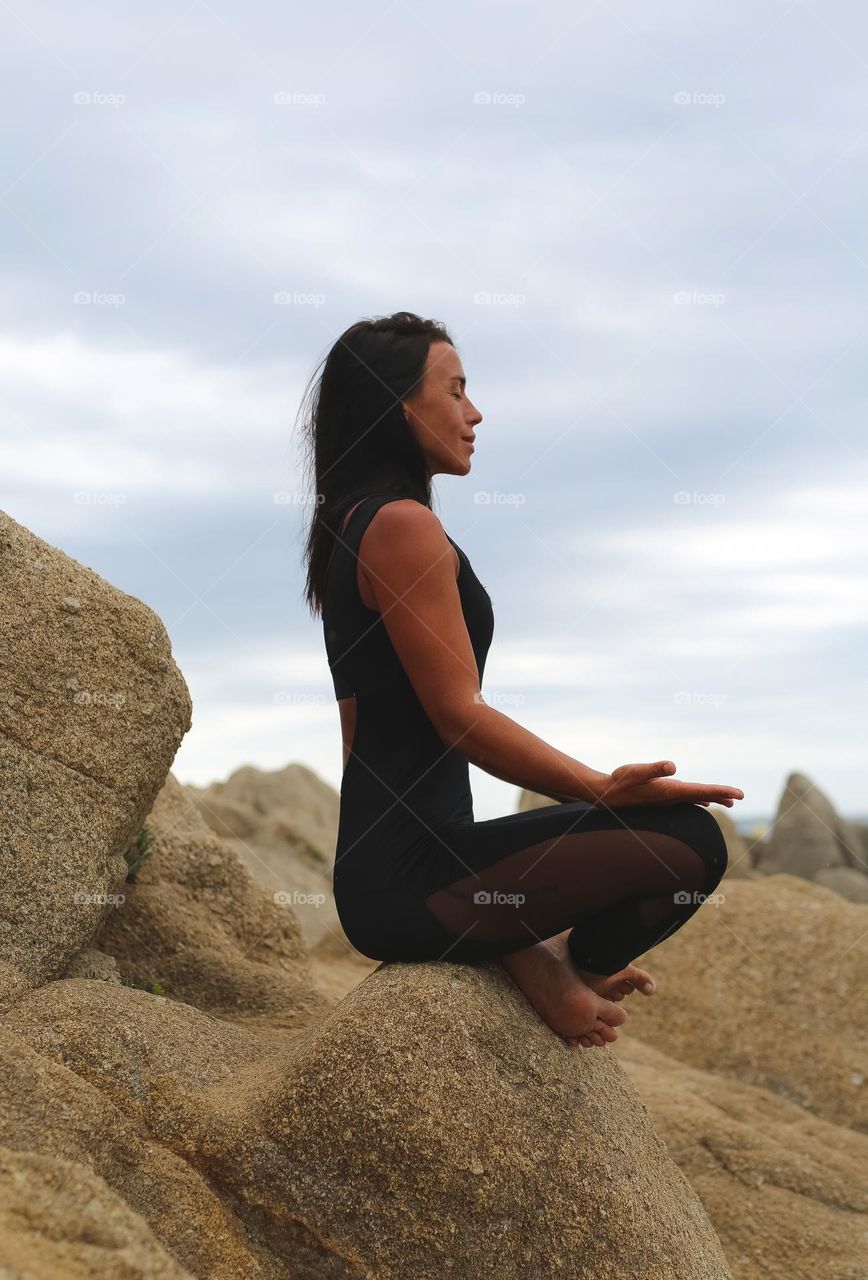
<point x="141" y="848"/>
<point x="153" y="988"/>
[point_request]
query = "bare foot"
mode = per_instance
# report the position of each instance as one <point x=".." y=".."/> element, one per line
<point x="623" y="983"/>
<point x="547" y="976"/>
<point x="615" y="986"/>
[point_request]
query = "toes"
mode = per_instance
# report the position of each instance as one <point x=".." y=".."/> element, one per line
<point x="612" y="1013"/>
<point x="641" y="979"/>
<point x="606" y="1032"/>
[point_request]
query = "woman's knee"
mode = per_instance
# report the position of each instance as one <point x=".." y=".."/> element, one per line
<point x="703" y="833"/>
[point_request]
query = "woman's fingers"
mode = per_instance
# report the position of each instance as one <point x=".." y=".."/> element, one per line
<point x="701" y="792"/>
<point x="645" y="772"/>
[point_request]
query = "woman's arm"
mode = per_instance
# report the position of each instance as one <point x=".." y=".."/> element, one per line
<point x="500" y="746"/>
<point x="410" y="566"/>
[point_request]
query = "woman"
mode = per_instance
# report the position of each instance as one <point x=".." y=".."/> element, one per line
<point x="564" y="896"/>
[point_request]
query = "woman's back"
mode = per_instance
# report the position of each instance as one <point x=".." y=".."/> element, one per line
<point x="401" y="781"/>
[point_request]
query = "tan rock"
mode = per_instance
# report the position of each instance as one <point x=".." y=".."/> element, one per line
<point x="850" y="882"/>
<point x="808" y="834"/>
<point x="59" y="1218"/>
<point x="283" y="826"/>
<point x="746" y="987"/>
<point x="49" y="1109"/>
<point x="196" y="923"/>
<point x="786" y="1192"/>
<point x="430" y="1125"/>
<point x="92" y="709"/>
<point x="92" y="963"/>
<point x="739" y="851"/>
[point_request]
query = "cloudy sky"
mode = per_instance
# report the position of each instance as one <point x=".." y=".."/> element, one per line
<point x="645" y="229"/>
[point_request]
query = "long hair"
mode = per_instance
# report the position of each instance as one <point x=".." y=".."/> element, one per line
<point x="356" y="437"/>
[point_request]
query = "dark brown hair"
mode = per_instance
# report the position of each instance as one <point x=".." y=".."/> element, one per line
<point x="355" y="434"/>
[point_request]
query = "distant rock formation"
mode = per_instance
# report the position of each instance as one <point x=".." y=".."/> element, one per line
<point x="808" y="836"/>
<point x="282" y="824"/>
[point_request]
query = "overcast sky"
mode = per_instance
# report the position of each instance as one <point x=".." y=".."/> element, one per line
<point x="645" y="228"/>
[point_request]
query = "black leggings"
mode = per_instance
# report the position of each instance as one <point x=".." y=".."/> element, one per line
<point x="622" y="880"/>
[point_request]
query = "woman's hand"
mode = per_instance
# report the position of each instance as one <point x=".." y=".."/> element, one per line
<point x="634" y="784"/>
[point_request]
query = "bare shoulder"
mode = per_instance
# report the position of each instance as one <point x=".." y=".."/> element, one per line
<point x="406" y="515"/>
<point x="407" y="526"/>
<point x="405" y="533"/>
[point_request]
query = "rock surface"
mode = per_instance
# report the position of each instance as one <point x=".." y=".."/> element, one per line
<point x="282" y="824"/>
<point x="197" y="923"/>
<point x="233" y="1120"/>
<point x="92" y="709"/>
<point x="353" y="1150"/>
<point x="787" y="1193"/>
<point x="849" y="882"/>
<point x="746" y="987"/>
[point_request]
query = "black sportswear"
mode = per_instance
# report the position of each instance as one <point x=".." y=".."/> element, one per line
<point x="416" y="878"/>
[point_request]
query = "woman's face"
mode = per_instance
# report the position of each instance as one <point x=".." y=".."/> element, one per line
<point x="441" y="415"/>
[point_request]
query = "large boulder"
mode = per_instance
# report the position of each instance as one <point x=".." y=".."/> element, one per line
<point x="808" y="835"/>
<point x="430" y="1125"/>
<point x="92" y="709"/>
<point x="766" y="984"/>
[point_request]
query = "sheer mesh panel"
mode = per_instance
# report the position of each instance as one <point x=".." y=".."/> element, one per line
<point x="621" y="890"/>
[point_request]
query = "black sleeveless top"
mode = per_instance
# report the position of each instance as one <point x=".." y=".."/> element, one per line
<point x="401" y="783"/>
